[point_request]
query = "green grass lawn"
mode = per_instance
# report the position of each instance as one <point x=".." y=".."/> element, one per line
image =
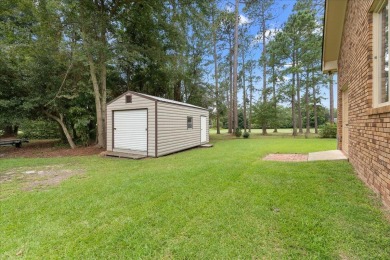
<point x="257" y="133"/>
<point x="284" y="131"/>
<point x="223" y="202"/>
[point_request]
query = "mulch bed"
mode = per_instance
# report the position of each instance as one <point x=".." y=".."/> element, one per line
<point x="46" y="149"/>
<point x="279" y="157"/>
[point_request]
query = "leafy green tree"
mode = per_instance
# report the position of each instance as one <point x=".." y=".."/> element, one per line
<point x="252" y="78"/>
<point x="311" y="57"/>
<point x="16" y="19"/>
<point x="244" y="48"/>
<point x="226" y="20"/>
<point x="261" y="12"/>
<point x="235" y="64"/>
<point x="215" y="26"/>
<point x="42" y="62"/>
<point x="294" y="44"/>
<point x="275" y="61"/>
<point x="262" y="113"/>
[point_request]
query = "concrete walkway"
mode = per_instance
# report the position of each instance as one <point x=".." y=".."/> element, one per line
<point x="283" y="157"/>
<point x="327" y="156"/>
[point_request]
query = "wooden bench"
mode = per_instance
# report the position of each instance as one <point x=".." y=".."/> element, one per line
<point x="13" y="142"/>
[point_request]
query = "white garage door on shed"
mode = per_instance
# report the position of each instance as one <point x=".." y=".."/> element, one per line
<point x="130" y="130"/>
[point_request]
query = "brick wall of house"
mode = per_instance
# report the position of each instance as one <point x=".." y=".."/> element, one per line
<point x="369" y="129"/>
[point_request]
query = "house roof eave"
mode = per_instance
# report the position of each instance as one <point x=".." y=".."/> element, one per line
<point x="334" y="16"/>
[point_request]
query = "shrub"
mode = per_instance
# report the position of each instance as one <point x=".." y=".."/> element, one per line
<point x="246" y="134"/>
<point x="238" y="132"/>
<point x="328" y="131"/>
<point x="40" y="129"/>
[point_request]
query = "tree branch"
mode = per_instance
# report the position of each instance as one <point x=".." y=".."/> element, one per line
<point x="62" y="84"/>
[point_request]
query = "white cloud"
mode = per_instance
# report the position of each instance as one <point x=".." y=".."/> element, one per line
<point x="269" y="35"/>
<point x="318" y="31"/>
<point x="318" y="28"/>
<point x="244" y="19"/>
<point x="229" y="8"/>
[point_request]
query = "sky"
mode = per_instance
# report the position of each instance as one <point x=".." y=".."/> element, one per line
<point x="281" y="12"/>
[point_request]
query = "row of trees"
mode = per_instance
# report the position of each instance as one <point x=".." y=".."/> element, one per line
<point x="284" y="119"/>
<point x="290" y="63"/>
<point x="63" y="59"/>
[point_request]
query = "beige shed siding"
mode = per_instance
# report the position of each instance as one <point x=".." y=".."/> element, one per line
<point x="137" y="103"/>
<point x="173" y="134"/>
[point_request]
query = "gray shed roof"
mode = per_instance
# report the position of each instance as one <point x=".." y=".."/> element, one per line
<point x="157" y="99"/>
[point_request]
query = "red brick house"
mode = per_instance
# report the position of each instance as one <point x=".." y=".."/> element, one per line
<point x="356" y="46"/>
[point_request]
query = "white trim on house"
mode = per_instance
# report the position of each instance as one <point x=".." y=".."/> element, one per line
<point x="334" y="17"/>
<point x="377" y="9"/>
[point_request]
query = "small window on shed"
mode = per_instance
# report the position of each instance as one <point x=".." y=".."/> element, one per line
<point x="129" y="99"/>
<point x="189" y="122"/>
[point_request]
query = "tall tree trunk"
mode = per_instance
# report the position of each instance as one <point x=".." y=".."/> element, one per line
<point x="177" y="91"/>
<point x="307" y="107"/>
<point x="331" y="106"/>
<point x="244" y="88"/>
<point x="8" y="131"/>
<point x="315" y="106"/>
<point x="235" y="62"/>
<point x="98" y="90"/>
<point x="228" y="97"/>
<point x="299" y="104"/>
<point x="274" y="97"/>
<point x="15" y="130"/>
<point x="294" y="121"/>
<point x="60" y="121"/>
<point x="177" y="85"/>
<point x="103" y="91"/>
<point x="230" y="91"/>
<point x="98" y="104"/>
<point x="250" y="98"/>
<point x="185" y="91"/>
<point x="215" y="55"/>
<point x="264" y="53"/>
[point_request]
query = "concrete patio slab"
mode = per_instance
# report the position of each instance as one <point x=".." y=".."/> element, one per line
<point x="327" y="156"/>
<point x="280" y="157"/>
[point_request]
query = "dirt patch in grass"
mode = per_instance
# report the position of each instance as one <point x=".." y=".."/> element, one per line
<point x="38" y="178"/>
<point x="286" y="157"/>
<point x="46" y="149"/>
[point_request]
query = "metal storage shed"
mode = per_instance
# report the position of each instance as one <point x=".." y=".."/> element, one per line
<point x="152" y="126"/>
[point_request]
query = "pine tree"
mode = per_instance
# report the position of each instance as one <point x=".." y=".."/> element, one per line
<point x="261" y="12"/>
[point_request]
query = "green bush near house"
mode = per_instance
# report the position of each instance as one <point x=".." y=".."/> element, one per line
<point x="238" y="132"/>
<point x="328" y="131"/>
<point x="246" y="134"/>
